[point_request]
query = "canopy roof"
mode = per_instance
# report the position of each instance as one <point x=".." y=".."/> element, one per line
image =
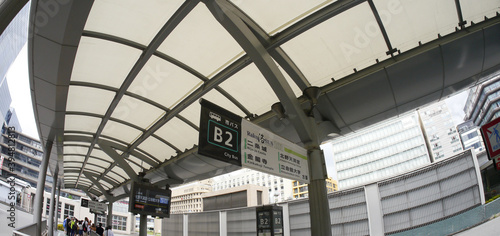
<point x="116" y="83"/>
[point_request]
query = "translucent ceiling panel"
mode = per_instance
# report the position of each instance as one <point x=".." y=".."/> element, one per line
<point x="136" y="112"/>
<point x="121" y="132"/>
<point x="98" y="162"/>
<point x="69" y="165"/>
<point x="105" y="184"/>
<point x="157" y="148"/>
<point x="337" y="46"/>
<point x="102" y="155"/>
<point x="103" y="62"/>
<point x="74" y="158"/>
<point x="98" y="169"/>
<point x="274" y="16"/>
<point x="139" y="162"/>
<point x="137" y="21"/>
<point x="72" y="150"/>
<point x="81" y="123"/>
<point x="135" y="167"/>
<point x="178" y="133"/>
<point x="251" y="89"/>
<point x="85" y="182"/>
<point x="116" y="177"/>
<point x="475" y="11"/>
<point x="201" y="42"/>
<point x="157" y="79"/>
<point x="192" y="112"/>
<point x="408" y="22"/>
<point x="120" y="172"/>
<point x="88" y="99"/>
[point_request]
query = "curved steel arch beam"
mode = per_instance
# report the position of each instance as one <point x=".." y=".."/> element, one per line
<point x="123" y="123"/>
<point x="165" y="57"/>
<point x="276" y="52"/>
<point x="118" y="146"/>
<point x="143" y="59"/>
<point x="120" y="161"/>
<point x="136" y="96"/>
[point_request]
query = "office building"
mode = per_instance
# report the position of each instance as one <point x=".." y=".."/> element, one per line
<point x="188" y="198"/>
<point x="483" y="102"/>
<point x="279" y="188"/>
<point x="5" y="100"/>
<point x="300" y="190"/>
<point x="237" y="197"/>
<point x="439" y="130"/>
<point x="470" y="136"/>
<point x="13" y="39"/>
<point x="380" y="151"/>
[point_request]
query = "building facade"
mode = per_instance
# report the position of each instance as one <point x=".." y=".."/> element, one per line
<point x="483" y="102"/>
<point x="300" y="190"/>
<point x="188" y="198"/>
<point x="279" y="188"/>
<point x="242" y="196"/>
<point x="380" y="151"/>
<point x="442" y="137"/>
<point x="13" y="39"/>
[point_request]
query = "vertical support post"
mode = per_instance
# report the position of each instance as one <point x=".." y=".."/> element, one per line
<point x="143" y="225"/>
<point x="318" y="199"/>
<point x="50" y="221"/>
<point x="222" y="223"/>
<point x="109" y="217"/>
<point x="37" y="211"/>
<point x="374" y="208"/>
<point x="57" y="216"/>
<point x="185" y="225"/>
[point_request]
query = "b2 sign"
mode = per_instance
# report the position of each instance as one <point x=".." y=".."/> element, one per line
<point x="229" y="138"/>
<point x="219" y="133"/>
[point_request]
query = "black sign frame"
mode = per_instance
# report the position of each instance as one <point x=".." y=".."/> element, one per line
<point x="142" y="200"/>
<point x="220" y="133"/>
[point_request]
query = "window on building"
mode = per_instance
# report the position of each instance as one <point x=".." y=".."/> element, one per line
<point x="47" y="210"/>
<point x="101" y="219"/>
<point x="120" y="222"/>
<point x="69" y="210"/>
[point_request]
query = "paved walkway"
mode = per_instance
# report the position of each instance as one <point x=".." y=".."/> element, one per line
<point x="489" y="228"/>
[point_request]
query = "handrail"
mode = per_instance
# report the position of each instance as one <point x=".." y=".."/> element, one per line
<point x="30" y="229"/>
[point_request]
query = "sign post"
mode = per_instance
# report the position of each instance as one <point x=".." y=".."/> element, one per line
<point x="227" y="137"/>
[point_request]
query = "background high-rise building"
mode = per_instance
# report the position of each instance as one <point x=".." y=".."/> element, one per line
<point x="280" y="189"/>
<point x="301" y="190"/>
<point x="5" y="100"/>
<point x="13" y="39"/>
<point x="188" y="198"/>
<point x="442" y="137"/>
<point x="391" y="148"/>
<point x="483" y="103"/>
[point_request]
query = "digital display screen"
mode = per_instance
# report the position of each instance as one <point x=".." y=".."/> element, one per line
<point x="146" y="199"/>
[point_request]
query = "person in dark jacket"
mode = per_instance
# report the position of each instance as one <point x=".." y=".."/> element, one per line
<point x="99" y="230"/>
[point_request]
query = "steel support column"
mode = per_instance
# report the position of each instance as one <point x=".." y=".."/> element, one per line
<point x="143" y="225"/>
<point x="50" y="221"/>
<point x="38" y="206"/>
<point x="56" y="206"/>
<point x="109" y="217"/>
<point x="305" y="126"/>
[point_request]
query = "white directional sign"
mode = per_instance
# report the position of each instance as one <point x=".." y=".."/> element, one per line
<point x="264" y="151"/>
<point x="227" y="137"/>
<point x="97" y="206"/>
